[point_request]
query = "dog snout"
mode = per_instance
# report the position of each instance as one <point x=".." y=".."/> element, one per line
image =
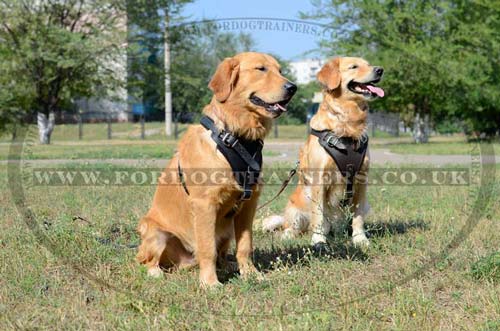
<point x="379" y="71"/>
<point x="290" y="88"/>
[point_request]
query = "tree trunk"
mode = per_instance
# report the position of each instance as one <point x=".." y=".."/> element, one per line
<point x="421" y="128"/>
<point x="168" y="92"/>
<point x="45" y="126"/>
<point x="14" y="132"/>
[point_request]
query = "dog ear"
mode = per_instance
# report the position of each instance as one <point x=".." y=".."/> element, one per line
<point x="225" y="77"/>
<point x="329" y="75"/>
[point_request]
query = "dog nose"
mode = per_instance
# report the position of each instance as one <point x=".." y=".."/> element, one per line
<point x="290" y="87"/>
<point x="379" y="70"/>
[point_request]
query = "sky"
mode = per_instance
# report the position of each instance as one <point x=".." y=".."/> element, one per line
<point x="274" y="30"/>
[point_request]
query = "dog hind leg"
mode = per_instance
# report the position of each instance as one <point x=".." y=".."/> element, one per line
<point x="153" y="244"/>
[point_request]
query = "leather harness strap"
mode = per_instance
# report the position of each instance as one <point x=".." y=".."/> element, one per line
<point x="244" y="156"/>
<point x="348" y="154"/>
<point x="181" y="177"/>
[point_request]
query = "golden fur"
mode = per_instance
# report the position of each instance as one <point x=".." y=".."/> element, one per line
<point x="183" y="230"/>
<point x="315" y="203"/>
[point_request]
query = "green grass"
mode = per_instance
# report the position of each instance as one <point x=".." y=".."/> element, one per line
<point x="162" y="148"/>
<point x="99" y="131"/>
<point x="487" y="268"/>
<point x="77" y="273"/>
<point x="96" y="145"/>
<point x="120" y="150"/>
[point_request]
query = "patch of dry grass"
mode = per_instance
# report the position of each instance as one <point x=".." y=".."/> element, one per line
<point x="59" y="272"/>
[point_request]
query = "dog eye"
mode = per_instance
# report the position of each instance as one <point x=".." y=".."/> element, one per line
<point x="261" y="68"/>
<point x="354" y="66"/>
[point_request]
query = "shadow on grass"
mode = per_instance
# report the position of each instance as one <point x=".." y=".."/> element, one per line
<point x="384" y="229"/>
<point x="269" y="259"/>
<point x="338" y="247"/>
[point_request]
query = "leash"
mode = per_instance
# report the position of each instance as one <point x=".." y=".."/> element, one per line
<point x="285" y="183"/>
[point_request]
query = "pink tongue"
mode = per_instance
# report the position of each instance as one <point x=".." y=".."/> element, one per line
<point x="377" y="90"/>
<point x="283" y="108"/>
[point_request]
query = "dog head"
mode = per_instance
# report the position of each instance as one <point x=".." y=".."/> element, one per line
<point x="352" y="77"/>
<point x="253" y="81"/>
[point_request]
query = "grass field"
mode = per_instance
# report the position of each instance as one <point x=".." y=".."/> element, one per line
<point x="126" y="143"/>
<point x="70" y="267"/>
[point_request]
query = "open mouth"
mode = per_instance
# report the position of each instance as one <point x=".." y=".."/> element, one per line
<point x="275" y="108"/>
<point x="367" y="89"/>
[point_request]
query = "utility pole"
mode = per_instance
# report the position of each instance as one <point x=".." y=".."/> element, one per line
<point x="168" y="92"/>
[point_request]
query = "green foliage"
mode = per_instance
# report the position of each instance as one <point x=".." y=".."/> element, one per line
<point x="487" y="268"/>
<point x="441" y="57"/>
<point x="447" y="126"/>
<point x="196" y="50"/>
<point x="302" y="101"/>
<point x="53" y="52"/>
<point x="195" y="58"/>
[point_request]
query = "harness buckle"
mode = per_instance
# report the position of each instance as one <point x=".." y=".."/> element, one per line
<point x="246" y="195"/>
<point x="330" y="142"/>
<point x="228" y="139"/>
<point x="364" y="138"/>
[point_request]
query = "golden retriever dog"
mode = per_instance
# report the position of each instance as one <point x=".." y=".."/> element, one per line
<point x="317" y="202"/>
<point x="192" y="223"/>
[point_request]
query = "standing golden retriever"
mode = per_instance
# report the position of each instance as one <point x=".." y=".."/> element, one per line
<point x="319" y="199"/>
<point x="192" y="222"/>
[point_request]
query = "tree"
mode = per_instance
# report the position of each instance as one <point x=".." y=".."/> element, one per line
<point x="58" y="51"/>
<point x="302" y="101"/>
<point x="153" y="19"/>
<point x="15" y="95"/>
<point x="195" y="51"/>
<point x="437" y="54"/>
<point x="474" y="30"/>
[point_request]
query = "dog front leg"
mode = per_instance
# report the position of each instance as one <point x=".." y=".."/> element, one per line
<point x="360" y="210"/>
<point x="320" y="225"/>
<point x="243" y="234"/>
<point x="204" y="220"/>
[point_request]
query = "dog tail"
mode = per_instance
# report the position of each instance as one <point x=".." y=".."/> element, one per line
<point x="272" y="223"/>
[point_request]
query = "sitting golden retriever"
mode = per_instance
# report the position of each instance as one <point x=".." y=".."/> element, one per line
<point x="337" y="145"/>
<point x="192" y="222"/>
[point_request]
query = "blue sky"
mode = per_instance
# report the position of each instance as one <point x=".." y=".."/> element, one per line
<point x="272" y="36"/>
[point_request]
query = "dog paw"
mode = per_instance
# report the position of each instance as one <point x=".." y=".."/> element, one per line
<point x="360" y="240"/>
<point x="155" y="272"/>
<point x="318" y="238"/>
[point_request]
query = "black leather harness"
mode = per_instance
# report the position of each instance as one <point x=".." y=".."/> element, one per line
<point x="244" y="157"/>
<point x="348" y="154"/>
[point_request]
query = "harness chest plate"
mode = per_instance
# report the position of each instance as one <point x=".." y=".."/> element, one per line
<point x="348" y="154"/>
<point x="244" y="156"/>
